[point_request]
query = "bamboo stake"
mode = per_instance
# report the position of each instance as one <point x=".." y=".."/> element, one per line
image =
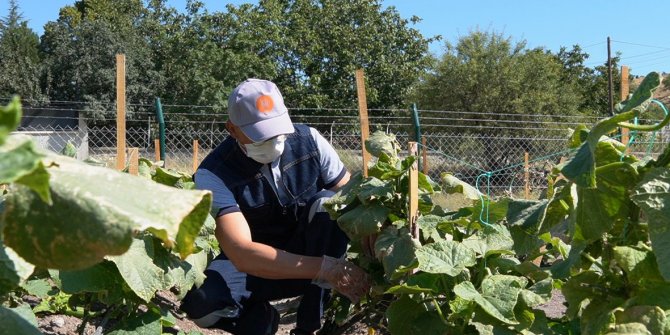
<point x="120" y="111"/>
<point x="526" y="176"/>
<point x="363" y="113"/>
<point x="195" y="155"/>
<point x="134" y="157"/>
<point x="157" y="148"/>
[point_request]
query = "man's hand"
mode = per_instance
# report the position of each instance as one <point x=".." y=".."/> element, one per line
<point x="344" y="277"/>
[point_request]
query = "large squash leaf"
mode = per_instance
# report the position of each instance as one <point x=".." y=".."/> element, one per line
<point x="98" y="212"/>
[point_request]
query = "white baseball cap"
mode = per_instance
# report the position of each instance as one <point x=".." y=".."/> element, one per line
<point x="257" y="107"/>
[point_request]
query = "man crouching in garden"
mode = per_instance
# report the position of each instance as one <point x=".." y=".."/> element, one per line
<point x="269" y="179"/>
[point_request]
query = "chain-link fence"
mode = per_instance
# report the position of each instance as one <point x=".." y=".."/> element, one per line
<point x="497" y="153"/>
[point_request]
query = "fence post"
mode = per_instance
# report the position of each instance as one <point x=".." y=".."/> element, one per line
<point x="624" y="95"/>
<point x="195" y="155"/>
<point x="363" y="113"/>
<point x="417" y="126"/>
<point x="120" y="111"/>
<point x="161" y="127"/>
<point x="413" y="213"/>
<point x="526" y="176"/>
<point x="134" y="165"/>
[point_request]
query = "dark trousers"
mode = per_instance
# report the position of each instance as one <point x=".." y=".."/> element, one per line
<point x="239" y="303"/>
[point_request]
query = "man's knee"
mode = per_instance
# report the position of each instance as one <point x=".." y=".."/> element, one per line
<point x="207" y="304"/>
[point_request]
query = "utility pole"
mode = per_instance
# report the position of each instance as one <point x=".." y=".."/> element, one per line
<point x="610" y="84"/>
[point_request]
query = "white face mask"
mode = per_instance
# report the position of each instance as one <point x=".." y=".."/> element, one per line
<point x="266" y="152"/>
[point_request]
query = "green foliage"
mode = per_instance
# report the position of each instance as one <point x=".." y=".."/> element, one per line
<point x="109" y="248"/>
<point x="469" y="273"/>
<point x="457" y="275"/>
<point x="14" y="323"/>
<point x="617" y="228"/>
<point x="20" y="64"/>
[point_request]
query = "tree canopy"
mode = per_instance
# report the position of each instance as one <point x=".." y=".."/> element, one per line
<point x="310" y="48"/>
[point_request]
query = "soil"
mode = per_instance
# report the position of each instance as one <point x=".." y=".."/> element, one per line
<point x="59" y="324"/>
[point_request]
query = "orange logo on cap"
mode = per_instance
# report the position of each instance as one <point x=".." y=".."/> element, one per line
<point x="264" y="104"/>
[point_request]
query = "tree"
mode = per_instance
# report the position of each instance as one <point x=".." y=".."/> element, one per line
<point x="592" y="84"/>
<point x="20" y="62"/>
<point x="327" y="40"/>
<point x="80" y="49"/>
<point x="485" y="73"/>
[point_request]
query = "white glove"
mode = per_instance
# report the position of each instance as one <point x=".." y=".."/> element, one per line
<point x="342" y="276"/>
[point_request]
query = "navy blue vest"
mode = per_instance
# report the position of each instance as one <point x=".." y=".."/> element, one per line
<point x="271" y="223"/>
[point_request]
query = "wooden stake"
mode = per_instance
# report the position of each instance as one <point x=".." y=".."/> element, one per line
<point x="157" y="148"/>
<point x="424" y="155"/>
<point x="195" y="155"/>
<point x="526" y="176"/>
<point x="134" y="157"/>
<point x="413" y="214"/>
<point x="625" y="89"/>
<point x="363" y="113"/>
<point x="120" y="111"/>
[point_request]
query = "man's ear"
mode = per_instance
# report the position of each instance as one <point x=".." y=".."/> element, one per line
<point x="232" y="129"/>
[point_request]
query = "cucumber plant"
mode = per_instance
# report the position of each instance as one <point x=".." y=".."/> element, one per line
<point x="601" y="229"/>
<point x="460" y="275"/>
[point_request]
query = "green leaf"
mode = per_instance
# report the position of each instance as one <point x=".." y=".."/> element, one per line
<point x="498" y="298"/>
<point x="630" y="329"/>
<point x="14" y="323"/>
<point x="26" y="312"/>
<point x="653" y="318"/>
<point x="402" y="314"/>
<point x="639" y="265"/>
<point x="21" y="162"/>
<point x="37" y="287"/>
<point x="491" y="239"/>
<point x="652" y="294"/>
<point x="10" y="118"/>
<point x="363" y="220"/>
<point x="599" y="209"/>
<point x="406" y="289"/>
<point x="528" y="214"/>
<point x="428" y="226"/>
<point x="103" y="217"/>
<point x="344" y="197"/>
<point x="137" y="268"/>
<point x="581" y="288"/>
<point x="397" y="250"/>
<point x="598" y="315"/>
<point x="381" y="143"/>
<point x="447" y="257"/>
<point x="13" y="269"/>
<point x="69" y="150"/>
<point x="169" y="177"/>
<point x="453" y="185"/>
<point x="103" y="277"/>
<point x="375" y="190"/>
<point x="652" y="195"/>
<point x="145" y="324"/>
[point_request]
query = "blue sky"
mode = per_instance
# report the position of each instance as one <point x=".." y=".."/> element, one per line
<point x="638" y="29"/>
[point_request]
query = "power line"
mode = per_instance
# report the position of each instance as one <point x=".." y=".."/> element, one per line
<point x="643" y="45"/>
